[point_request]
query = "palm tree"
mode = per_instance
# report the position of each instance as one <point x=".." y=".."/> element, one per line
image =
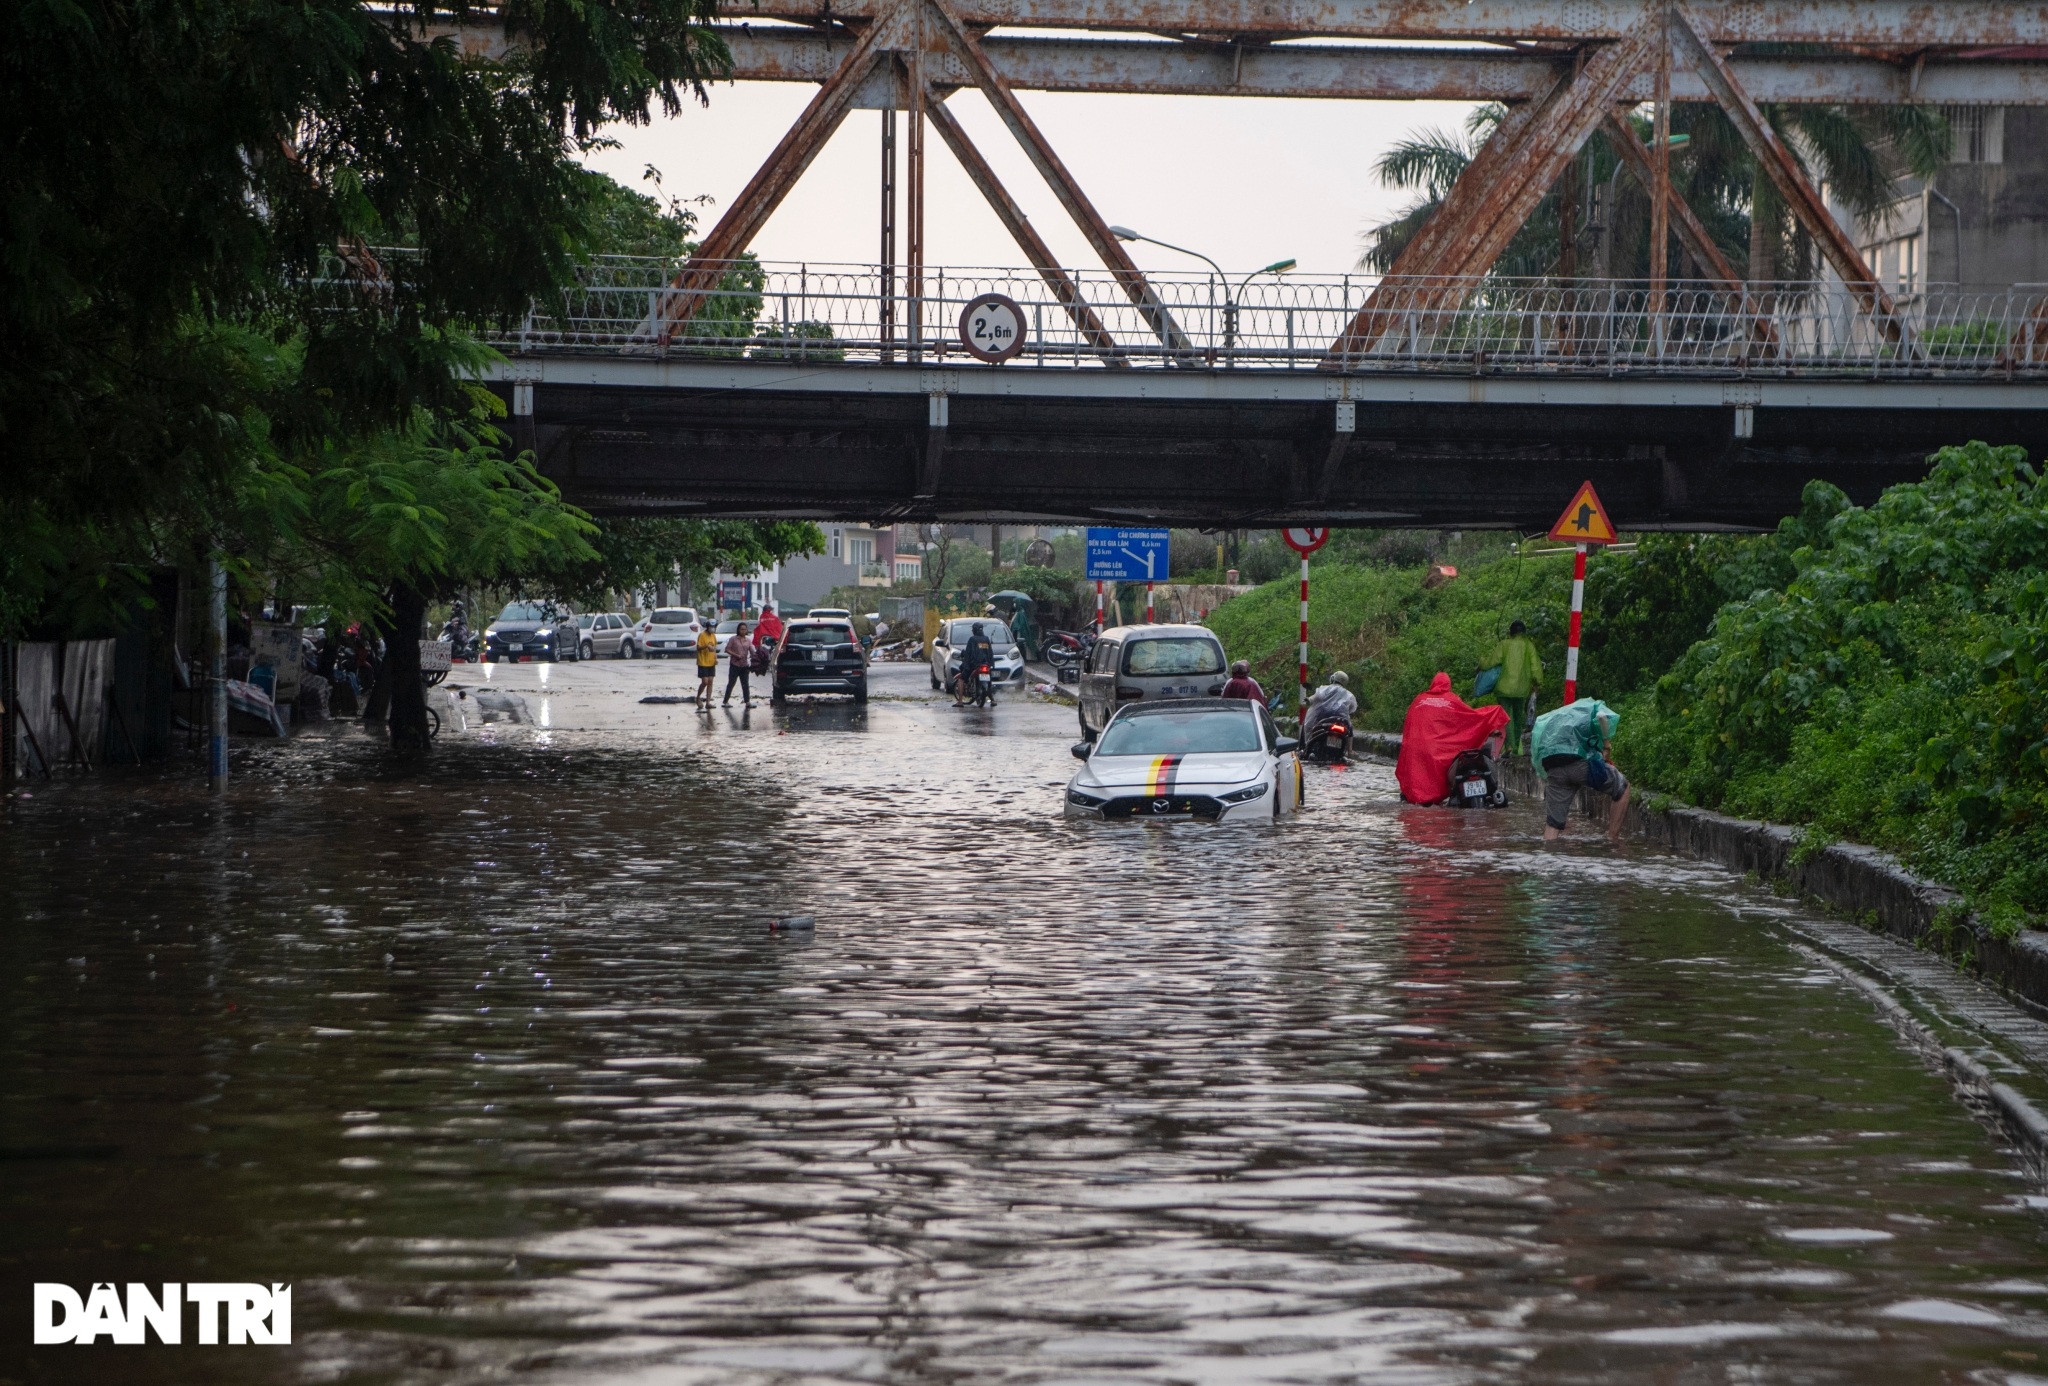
<point x="1857" y="152"/>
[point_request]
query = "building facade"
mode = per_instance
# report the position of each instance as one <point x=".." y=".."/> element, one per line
<point x="1982" y="220"/>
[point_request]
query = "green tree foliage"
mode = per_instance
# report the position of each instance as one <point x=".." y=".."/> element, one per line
<point x="1857" y="152"/>
<point x="1892" y="689"/>
<point x="632" y="554"/>
<point x="170" y="164"/>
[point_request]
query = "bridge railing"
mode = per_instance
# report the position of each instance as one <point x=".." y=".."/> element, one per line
<point x="856" y="313"/>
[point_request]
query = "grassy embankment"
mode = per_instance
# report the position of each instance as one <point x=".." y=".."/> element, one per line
<point x="1876" y="674"/>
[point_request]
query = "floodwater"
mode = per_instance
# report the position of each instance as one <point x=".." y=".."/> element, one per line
<point x="501" y="1068"/>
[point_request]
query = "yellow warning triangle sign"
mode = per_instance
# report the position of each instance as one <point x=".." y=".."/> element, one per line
<point x="1585" y="520"/>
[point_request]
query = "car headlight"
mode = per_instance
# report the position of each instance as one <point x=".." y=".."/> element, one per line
<point x="1085" y="800"/>
<point x="490" y="635"/>
<point x="544" y="634"/>
<point x="1015" y="653"/>
<point x="1243" y="796"/>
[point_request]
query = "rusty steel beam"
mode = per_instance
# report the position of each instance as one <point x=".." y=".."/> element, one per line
<point x="1025" y="234"/>
<point x="1692" y="232"/>
<point x="771" y="183"/>
<point x="1160" y="68"/>
<point x="1063" y="183"/>
<point x="1785" y="174"/>
<point x="1494" y="196"/>
<point x="1895" y="26"/>
<point x="1154" y="67"/>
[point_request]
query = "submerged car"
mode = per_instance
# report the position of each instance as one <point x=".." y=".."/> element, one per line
<point x="819" y="657"/>
<point x="1208" y="758"/>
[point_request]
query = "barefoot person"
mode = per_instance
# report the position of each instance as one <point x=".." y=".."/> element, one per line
<point x="707" y="665"/>
<point x="739" y="663"/>
<point x="1571" y="746"/>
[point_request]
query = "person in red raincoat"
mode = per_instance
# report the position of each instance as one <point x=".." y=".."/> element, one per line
<point x="1440" y="726"/>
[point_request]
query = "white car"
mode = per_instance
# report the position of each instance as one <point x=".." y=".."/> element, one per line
<point x="1217" y="759"/>
<point x="954" y="632"/>
<point x="667" y="632"/>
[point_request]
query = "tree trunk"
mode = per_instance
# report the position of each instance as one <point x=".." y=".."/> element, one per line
<point x="402" y="670"/>
<point x="1763" y="229"/>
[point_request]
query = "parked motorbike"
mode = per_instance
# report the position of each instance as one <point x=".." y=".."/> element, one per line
<point x="1067" y="652"/>
<point x="1475" y="776"/>
<point x="1328" y="741"/>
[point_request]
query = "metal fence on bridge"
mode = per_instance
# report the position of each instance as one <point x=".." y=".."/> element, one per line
<point x="858" y="313"/>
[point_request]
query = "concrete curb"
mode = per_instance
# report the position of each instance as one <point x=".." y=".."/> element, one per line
<point x="1861" y="882"/>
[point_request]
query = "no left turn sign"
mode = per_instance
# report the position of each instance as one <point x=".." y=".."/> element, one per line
<point x="1305" y="541"/>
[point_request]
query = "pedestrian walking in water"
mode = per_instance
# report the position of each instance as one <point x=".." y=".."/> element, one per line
<point x="1571" y="745"/>
<point x="707" y="665"/>
<point x="739" y="662"/>
<point x="1521" y="674"/>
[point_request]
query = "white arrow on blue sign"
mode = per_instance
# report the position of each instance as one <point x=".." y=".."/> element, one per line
<point x="1127" y="555"/>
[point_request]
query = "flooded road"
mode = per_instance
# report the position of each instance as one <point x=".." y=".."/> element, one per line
<point x="500" y="1067"/>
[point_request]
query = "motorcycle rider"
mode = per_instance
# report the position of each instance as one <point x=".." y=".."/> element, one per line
<point x="1242" y="685"/>
<point x="1329" y="702"/>
<point x="978" y="651"/>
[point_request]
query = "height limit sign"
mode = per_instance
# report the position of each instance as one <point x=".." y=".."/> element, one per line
<point x="992" y="328"/>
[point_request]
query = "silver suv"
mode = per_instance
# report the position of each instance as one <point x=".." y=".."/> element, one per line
<point x="1134" y="663"/>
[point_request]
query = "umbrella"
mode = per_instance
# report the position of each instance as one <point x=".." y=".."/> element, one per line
<point x="1024" y="597"/>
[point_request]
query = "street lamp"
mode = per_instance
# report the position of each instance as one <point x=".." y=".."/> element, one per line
<point x="1124" y="233"/>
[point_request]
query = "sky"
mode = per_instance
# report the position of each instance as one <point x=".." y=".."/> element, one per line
<point x="1245" y="181"/>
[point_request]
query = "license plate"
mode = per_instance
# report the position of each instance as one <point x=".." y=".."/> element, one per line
<point x="820" y="656"/>
<point x="1472" y="789"/>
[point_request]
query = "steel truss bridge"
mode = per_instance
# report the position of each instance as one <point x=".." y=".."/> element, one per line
<point x="1434" y="395"/>
<point x="793" y="392"/>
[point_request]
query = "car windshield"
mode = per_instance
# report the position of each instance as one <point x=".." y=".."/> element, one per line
<point x="820" y="635"/>
<point x="523" y="611"/>
<point x="728" y="627"/>
<point x="1180" y="733"/>
<point x="673" y="616"/>
<point x="998" y="634"/>
<point x="1187" y="654"/>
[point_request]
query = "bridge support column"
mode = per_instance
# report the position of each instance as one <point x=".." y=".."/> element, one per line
<point x="938" y="418"/>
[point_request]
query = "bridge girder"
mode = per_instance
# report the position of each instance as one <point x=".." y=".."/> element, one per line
<point x="1154" y="67"/>
<point x="860" y="442"/>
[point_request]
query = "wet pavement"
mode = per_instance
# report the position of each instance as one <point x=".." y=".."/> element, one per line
<point x="501" y="1067"/>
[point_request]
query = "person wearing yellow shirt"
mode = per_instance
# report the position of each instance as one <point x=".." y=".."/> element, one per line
<point x="707" y="665"/>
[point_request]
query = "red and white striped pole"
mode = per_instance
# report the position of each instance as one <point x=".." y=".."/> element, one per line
<point x="1098" y="606"/>
<point x="1304" y="637"/>
<point x="1148" y="603"/>
<point x="1571" y="647"/>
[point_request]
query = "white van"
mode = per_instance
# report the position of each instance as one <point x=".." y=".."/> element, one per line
<point x="1133" y="663"/>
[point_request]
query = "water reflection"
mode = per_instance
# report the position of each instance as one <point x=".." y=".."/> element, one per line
<point x="504" y="1070"/>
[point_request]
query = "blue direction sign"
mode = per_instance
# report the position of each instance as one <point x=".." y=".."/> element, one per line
<point x="732" y="594"/>
<point x="1127" y="555"/>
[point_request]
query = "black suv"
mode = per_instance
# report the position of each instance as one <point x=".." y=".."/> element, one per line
<point x="527" y="631"/>
<point x="819" y="657"/>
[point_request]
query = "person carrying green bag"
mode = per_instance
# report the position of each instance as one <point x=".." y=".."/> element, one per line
<point x="1518" y="673"/>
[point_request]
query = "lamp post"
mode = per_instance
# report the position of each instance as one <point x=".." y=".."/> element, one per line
<point x="1124" y="233"/>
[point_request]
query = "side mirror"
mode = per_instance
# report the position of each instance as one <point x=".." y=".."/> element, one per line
<point x="1080" y="749"/>
<point x="1284" y="745"/>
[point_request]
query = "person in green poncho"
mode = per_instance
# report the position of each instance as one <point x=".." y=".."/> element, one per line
<point x="1570" y="747"/>
<point x="1521" y="673"/>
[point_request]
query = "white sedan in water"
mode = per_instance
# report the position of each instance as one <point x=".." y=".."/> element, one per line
<point x="1219" y="759"/>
